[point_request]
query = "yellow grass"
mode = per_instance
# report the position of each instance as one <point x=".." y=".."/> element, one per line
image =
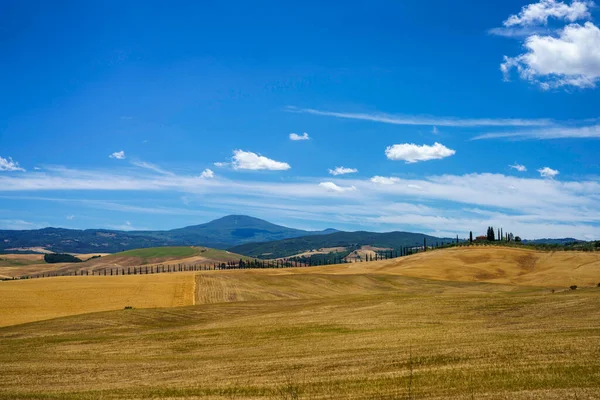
<point x="354" y="331"/>
<point x="37" y="299"/>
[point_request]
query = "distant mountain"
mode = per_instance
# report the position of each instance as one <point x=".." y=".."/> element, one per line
<point x="553" y="241"/>
<point x="290" y="247"/>
<point x="224" y="232"/>
<point x="230" y="231"/>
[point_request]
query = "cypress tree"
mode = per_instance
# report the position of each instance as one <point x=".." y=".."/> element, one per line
<point x="471" y="237"/>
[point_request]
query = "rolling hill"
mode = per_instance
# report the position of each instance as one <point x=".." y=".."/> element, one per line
<point x="17" y="265"/>
<point x="294" y="246"/>
<point x="224" y="232"/>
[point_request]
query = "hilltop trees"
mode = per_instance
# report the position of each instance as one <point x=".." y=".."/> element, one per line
<point x="491" y="235"/>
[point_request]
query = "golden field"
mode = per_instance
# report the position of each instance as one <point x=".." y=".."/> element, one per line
<point x="469" y="323"/>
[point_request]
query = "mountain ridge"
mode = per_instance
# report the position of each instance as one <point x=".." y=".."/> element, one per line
<point x="224" y="232"/>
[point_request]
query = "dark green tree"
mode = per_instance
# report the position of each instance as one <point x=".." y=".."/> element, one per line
<point x="471" y="237"/>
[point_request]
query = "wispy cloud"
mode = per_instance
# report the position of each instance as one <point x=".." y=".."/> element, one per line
<point x="425" y="120"/>
<point x="332" y="187"/>
<point x="19" y="224"/>
<point x="151" y="167"/>
<point x="296" y="137"/>
<point x="543" y="205"/>
<point x="412" y="153"/>
<point x="7" y="164"/>
<point x="342" y="171"/>
<point x="119" y="155"/>
<point x="562" y="132"/>
<point x="519" y="167"/>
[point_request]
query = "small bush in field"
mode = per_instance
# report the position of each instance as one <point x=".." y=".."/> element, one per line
<point x="573" y="287"/>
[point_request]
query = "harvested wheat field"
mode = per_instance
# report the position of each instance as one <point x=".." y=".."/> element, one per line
<point x="357" y="331"/>
<point x="490" y="264"/>
<point x="38" y="299"/>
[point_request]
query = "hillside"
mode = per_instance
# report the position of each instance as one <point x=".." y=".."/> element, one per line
<point x="16" y="265"/>
<point x="294" y="246"/>
<point x="224" y="232"/>
<point x="366" y="330"/>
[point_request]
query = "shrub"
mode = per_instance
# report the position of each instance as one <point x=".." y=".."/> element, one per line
<point x="60" y="258"/>
<point x="573" y="287"/>
<point x="128" y="308"/>
<point x="599" y="285"/>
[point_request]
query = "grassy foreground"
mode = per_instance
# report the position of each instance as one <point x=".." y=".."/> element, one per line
<point x="358" y="331"/>
<point x="463" y="341"/>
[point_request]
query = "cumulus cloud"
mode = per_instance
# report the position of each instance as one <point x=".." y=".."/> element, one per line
<point x="7" y="164"/>
<point x="332" y="187"/>
<point x="519" y="167"/>
<point x="571" y="59"/>
<point x="119" y="155"/>
<point x="295" y="136"/>
<point x="342" y="171"/>
<point x="207" y="174"/>
<point x="548" y="172"/>
<point x="220" y="164"/>
<point x="252" y="161"/>
<point x="412" y="153"/>
<point x="382" y="180"/>
<point x="538" y="13"/>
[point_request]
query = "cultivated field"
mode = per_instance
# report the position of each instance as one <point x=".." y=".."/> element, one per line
<point x="16" y="265"/>
<point x="419" y="327"/>
<point x="38" y="299"/>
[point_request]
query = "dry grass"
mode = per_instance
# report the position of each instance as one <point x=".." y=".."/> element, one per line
<point x="472" y="341"/>
<point x="338" y="332"/>
<point x="37" y="299"/>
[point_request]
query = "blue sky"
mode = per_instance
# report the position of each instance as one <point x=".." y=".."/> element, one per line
<point x="445" y="116"/>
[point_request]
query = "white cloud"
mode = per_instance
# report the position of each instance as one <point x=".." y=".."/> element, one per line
<point x="220" y="164"/>
<point x="538" y="13"/>
<point x="70" y="217"/>
<point x="592" y="131"/>
<point x="571" y="59"/>
<point x="435" y="130"/>
<point x="518" y="32"/>
<point x="342" y="171"/>
<point x="382" y="180"/>
<point x="37" y="168"/>
<point x="425" y="120"/>
<point x="119" y="155"/>
<point x="332" y="187"/>
<point x="295" y="136"/>
<point x="548" y="172"/>
<point x="7" y="164"/>
<point x="412" y="153"/>
<point x="151" y="167"/>
<point x="207" y="174"/>
<point x="19" y="224"/>
<point x="519" y="167"/>
<point x="530" y="207"/>
<point x="252" y="161"/>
